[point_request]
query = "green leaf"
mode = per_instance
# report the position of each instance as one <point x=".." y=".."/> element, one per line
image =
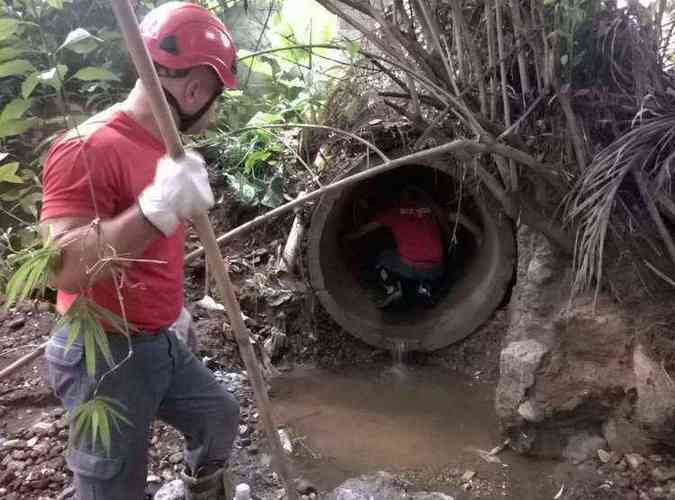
<point x="16" y="126"/>
<point x="103" y="345"/>
<point x="15" y="67"/>
<point x="15" y="284"/>
<point x="8" y="27"/>
<point x="74" y="329"/>
<point x="253" y="158"/>
<point x="57" y="4"/>
<point x="91" y="73"/>
<point x="54" y="77"/>
<point x="261" y="118"/>
<point x="28" y="85"/>
<point x="80" y="41"/>
<point x="15" y="109"/>
<point x="106" y="438"/>
<point x="89" y="352"/>
<point x="245" y="191"/>
<point x="95" y="417"/>
<point x="7" y="53"/>
<point x="8" y="173"/>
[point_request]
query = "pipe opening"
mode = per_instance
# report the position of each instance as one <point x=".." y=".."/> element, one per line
<point x="479" y="268"/>
<point x="375" y="196"/>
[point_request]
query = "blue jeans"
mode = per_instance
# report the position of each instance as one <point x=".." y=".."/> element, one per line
<point x="392" y="262"/>
<point x="162" y="379"/>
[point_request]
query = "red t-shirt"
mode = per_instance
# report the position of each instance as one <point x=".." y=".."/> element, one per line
<point x="416" y="232"/>
<point x="120" y="158"/>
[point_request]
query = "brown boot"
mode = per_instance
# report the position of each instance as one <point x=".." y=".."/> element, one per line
<point x="215" y="486"/>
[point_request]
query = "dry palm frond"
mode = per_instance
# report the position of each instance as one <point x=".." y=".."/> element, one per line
<point x="592" y="204"/>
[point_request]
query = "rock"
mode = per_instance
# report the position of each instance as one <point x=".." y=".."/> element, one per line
<point x="13" y="444"/>
<point x="175" y="490"/>
<point x="468" y="475"/>
<point x="253" y="449"/>
<point x="530" y="412"/>
<point x="379" y="486"/>
<point x="153" y="479"/>
<point x="42" y="449"/>
<point x="44" y="307"/>
<point x="634" y="460"/>
<point x="518" y="363"/>
<point x="582" y="446"/>
<point x="285" y="441"/>
<point x="32" y="442"/>
<point x="16" y="323"/>
<point x="7" y="477"/>
<point x="244" y="442"/>
<point x="44" y="428"/>
<point x="662" y="474"/>
<point x="305" y="487"/>
<point x="604" y="456"/>
<point x="16" y="465"/>
<point x="176" y="458"/>
<point x="18" y="454"/>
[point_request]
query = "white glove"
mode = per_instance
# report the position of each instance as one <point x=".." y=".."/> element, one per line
<point x="180" y="189"/>
<point x="183" y="329"/>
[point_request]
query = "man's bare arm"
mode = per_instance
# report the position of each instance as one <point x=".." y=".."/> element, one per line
<point x="89" y="248"/>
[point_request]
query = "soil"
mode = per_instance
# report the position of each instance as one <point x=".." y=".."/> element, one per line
<point x="439" y="451"/>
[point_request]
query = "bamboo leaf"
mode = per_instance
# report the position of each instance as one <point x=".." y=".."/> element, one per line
<point x="103" y="345"/>
<point x="89" y="352"/>
<point x="116" y="322"/>
<point x="15" y="284"/>
<point x="95" y="420"/>
<point x="119" y="416"/>
<point x="73" y="334"/>
<point x="106" y="438"/>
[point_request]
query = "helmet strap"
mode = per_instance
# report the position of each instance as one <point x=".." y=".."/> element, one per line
<point x="186" y="121"/>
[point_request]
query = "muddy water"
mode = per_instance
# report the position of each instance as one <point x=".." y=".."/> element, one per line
<point x="424" y="423"/>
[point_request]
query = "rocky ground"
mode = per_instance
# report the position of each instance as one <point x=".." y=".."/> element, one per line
<point x="288" y="331"/>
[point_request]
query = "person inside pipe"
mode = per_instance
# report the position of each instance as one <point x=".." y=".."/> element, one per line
<point x="411" y="271"/>
<point x="116" y="205"/>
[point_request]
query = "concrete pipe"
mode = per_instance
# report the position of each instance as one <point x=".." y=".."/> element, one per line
<point x="478" y="274"/>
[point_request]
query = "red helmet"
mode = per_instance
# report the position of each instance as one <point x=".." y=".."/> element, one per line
<point x="182" y="35"/>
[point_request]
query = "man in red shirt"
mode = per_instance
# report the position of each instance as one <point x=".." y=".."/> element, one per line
<point x="115" y="204"/>
<point x="418" y="259"/>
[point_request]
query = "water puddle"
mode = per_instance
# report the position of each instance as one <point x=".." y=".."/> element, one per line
<point x="421" y="422"/>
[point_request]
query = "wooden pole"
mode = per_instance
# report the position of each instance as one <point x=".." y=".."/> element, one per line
<point x="22" y="361"/>
<point x="160" y="108"/>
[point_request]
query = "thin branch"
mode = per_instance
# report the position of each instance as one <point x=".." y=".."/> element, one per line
<point x="311" y="126"/>
<point x="522" y="118"/>
<point x="519" y="34"/>
<point x="454" y="147"/>
<point x="654" y="213"/>
<point x="491" y="60"/>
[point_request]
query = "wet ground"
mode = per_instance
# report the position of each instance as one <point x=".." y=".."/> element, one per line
<point x="430" y="426"/>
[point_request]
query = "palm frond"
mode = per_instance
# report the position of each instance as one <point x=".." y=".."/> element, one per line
<point x="592" y="205"/>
